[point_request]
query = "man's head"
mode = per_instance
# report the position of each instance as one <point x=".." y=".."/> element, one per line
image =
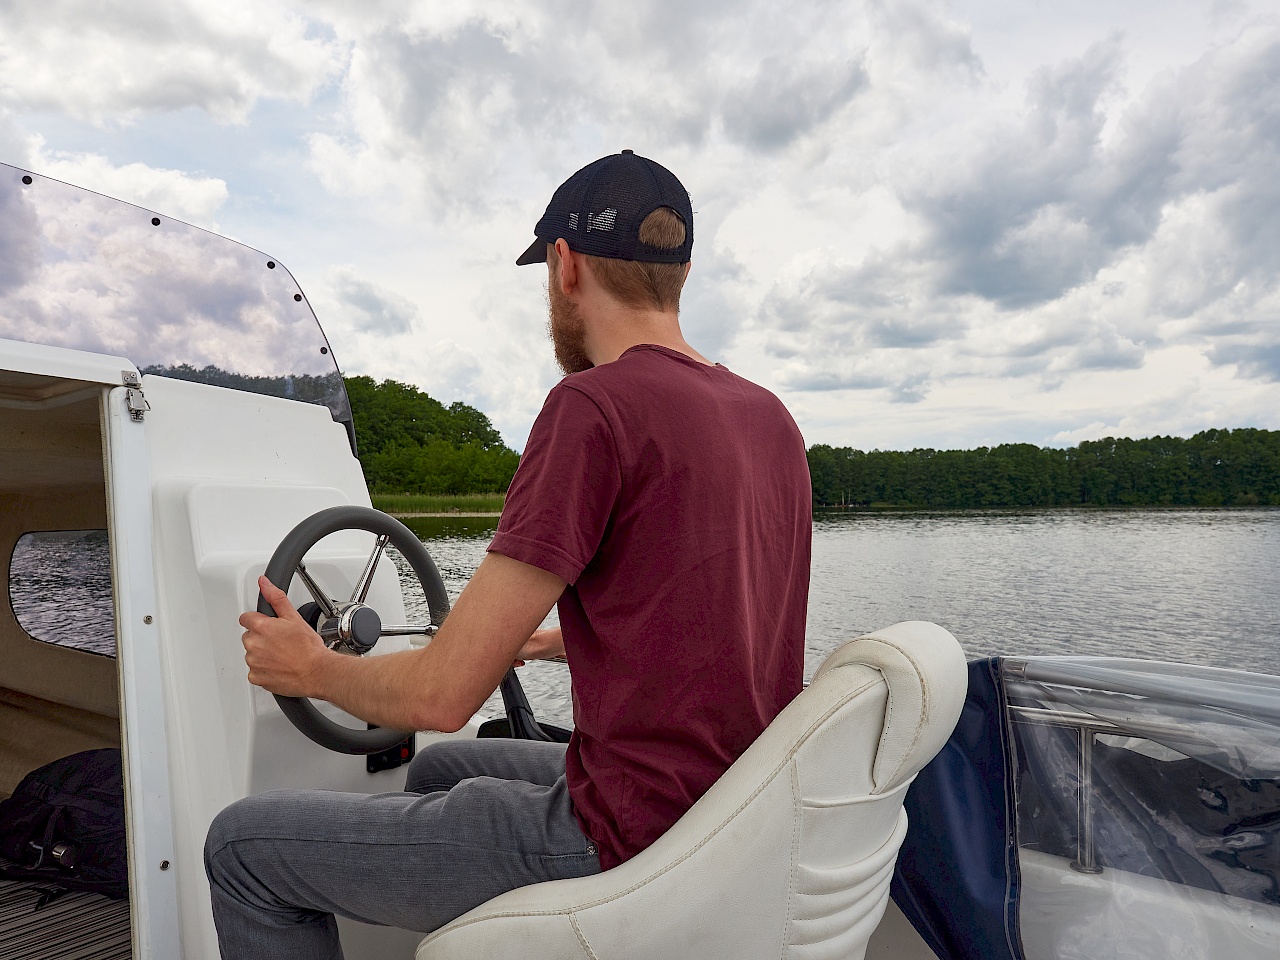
<point x="629" y="223"/>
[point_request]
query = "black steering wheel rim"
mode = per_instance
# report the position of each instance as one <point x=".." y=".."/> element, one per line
<point x="281" y="570"/>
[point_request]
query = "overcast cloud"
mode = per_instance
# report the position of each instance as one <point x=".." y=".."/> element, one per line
<point x="920" y="223"/>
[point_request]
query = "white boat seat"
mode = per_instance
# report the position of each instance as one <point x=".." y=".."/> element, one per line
<point x="789" y="854"/>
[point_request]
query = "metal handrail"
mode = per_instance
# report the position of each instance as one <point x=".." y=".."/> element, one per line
<point x="1087" y="727"/>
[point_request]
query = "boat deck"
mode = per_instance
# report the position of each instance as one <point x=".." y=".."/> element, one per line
<point x="39" y="922"/>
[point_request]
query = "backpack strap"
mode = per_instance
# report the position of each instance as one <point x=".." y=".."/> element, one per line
<point x="45" y="846"/>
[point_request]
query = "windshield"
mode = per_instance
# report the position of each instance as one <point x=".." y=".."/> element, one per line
<point x="83" y="271"/>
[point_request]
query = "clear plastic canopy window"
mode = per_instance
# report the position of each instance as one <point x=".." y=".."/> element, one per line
<point x="1227" y="719"/>
<point x="1163" y="771"/>
<point x="87" y="272"/>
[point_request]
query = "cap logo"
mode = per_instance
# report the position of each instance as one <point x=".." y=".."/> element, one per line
<point x="573" y="221"/>
<point x="603" y="220"/>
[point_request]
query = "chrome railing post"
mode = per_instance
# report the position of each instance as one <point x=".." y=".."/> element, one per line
<point x="1085" y="861"/>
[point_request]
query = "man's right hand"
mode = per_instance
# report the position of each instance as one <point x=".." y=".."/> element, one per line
<point x="543" y="645"/>
<point x="283" y="654"/>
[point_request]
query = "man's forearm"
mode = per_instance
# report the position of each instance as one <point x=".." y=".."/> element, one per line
<point x="386" y="690"/>
<point x="438" y="687"/>
<point x="544" y="645"/>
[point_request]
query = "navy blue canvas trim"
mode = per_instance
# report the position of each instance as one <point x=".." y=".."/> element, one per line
<point x="957" y="877"/>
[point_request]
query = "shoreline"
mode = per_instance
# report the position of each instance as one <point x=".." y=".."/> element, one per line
<point x="820" y="510"/>
<point x="448" y="513"/>
<point x="1082" y="508"/>
<point x="1060" y="508"/>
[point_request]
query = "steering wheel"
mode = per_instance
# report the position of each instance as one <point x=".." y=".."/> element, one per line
<point x="351" y="626"/>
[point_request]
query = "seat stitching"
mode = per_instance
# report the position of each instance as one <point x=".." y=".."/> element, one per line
<point x="844" y="701"/>
<point x="586" y="947"/>
<point x="796" y="814"/>
<point x="888" y="720"/>
<point x="921" y="719"/>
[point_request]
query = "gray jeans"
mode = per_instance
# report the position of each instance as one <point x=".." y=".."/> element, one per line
<point x="478" y="818"/>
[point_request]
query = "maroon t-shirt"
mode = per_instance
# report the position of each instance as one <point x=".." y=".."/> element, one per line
<point x="674" y="498"/>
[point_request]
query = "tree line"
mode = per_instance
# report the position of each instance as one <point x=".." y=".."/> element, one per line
<point x="1213" y="468"/>
<point x="411" y="443"/>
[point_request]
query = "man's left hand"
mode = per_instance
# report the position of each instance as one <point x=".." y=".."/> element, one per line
<point x="283" y="653"/>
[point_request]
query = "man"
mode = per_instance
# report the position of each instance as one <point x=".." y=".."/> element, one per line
<point x="664" y="503"/>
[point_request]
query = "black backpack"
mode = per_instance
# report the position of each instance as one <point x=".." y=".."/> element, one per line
<point x="65" y="825"/>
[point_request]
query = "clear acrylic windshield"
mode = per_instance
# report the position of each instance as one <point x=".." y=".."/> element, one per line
<point x="83" y="271"/>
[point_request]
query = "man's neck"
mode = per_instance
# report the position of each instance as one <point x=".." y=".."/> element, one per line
<point x="612" y="336"/>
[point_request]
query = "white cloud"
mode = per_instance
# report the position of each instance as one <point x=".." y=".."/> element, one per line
<point x="366" y="307"/>
<point x="916" y="220"/>
<point x="468" y="111"/>
<point x="1050" y="248"/>
<point x="183" y="196"/>
<point x="109" y="60"/>
<point x="17" y="147"/>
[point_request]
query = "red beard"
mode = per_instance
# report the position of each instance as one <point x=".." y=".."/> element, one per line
<point x="568" y="331"/>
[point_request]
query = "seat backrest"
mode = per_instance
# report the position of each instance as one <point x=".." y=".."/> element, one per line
<point x="790" y="852"/>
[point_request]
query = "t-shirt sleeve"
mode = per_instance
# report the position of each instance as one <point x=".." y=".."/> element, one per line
<point x="564" y="491"/>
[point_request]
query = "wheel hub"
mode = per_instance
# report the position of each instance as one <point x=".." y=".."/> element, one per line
<point x="354" y="630"/>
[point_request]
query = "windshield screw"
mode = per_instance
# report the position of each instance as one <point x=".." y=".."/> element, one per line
<point x="26" y="180"/>
<point x="147" y="618"/>
<point x="298" y="297"/>
<point x="271" y="264"/>
<point x="155" y="221"/>
<point x="164" y="864"/>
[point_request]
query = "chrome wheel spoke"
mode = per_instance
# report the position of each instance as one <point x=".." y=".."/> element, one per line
<point x="409" y="630"/>
<point x="366" y="579"/>
<point x="318" y="595"/>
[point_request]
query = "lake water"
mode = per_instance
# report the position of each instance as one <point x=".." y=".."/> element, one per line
<point x="60" y="589"/>
<point x="1198" y="586"/>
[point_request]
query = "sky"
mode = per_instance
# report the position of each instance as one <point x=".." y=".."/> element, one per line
<point x="919" y="223"/>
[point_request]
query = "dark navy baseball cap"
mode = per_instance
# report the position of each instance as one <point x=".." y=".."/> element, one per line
<point x="598" y="211"/>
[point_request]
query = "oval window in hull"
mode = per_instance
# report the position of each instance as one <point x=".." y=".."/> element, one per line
<point x="60" y="589"/>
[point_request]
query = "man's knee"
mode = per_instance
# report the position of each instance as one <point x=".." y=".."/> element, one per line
<point x="442" y="765"/>
<point x="239" y="821"/>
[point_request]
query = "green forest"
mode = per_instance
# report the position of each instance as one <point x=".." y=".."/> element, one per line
<point x="410" y="443"/>
<point x="1212" y="468"/>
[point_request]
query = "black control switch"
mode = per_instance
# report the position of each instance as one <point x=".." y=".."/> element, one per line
<point x="397" y="756"/>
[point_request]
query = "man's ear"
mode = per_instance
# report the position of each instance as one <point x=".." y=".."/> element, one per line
<point x="569" y="267"/>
